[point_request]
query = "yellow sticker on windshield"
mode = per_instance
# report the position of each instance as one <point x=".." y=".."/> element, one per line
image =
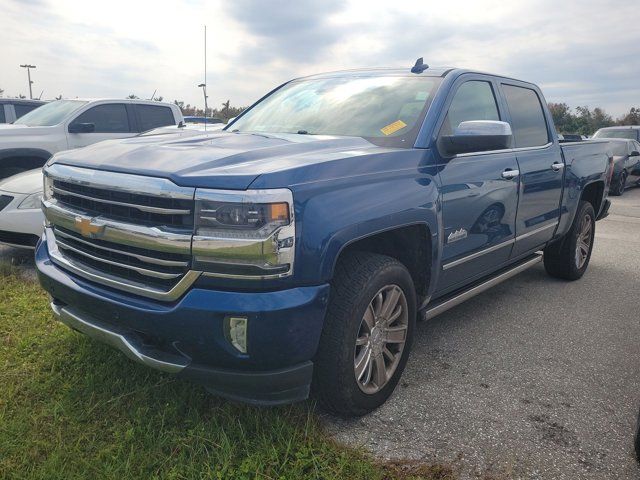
<point x="393" y="127"/>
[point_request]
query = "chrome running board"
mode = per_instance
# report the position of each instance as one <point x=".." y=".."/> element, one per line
<point x="442" y="305"/>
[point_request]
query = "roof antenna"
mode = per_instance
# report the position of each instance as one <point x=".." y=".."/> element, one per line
<point x="420" y="66"/>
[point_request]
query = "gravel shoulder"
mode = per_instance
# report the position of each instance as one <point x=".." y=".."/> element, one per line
<point x="536" y="378"/>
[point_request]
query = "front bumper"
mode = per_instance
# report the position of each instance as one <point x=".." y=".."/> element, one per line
<point x="186" y="337"/>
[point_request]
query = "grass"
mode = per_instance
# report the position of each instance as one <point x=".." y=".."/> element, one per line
<point x="73" y="408"/>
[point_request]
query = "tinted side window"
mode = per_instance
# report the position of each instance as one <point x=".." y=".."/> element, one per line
<point x="2" y="117"/>
<point x="474" y="100"/>
<point x="527" y="117"/>
<point x="152" y="116"/>
<point x="23" y="109"/>
<point x="110" y="118"/>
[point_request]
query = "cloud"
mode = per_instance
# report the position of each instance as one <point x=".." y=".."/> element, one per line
<point x="580" y="54"/>
<point x="298" y="31"/>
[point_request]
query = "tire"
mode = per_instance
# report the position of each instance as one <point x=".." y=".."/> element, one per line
<point x="620" y="184"/>
<point x="363" y="282"/>
<point x="562" y="259"/>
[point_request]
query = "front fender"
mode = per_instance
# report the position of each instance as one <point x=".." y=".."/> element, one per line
<point x="335" y="214"/>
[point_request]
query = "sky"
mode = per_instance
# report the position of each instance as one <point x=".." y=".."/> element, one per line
<point x="581" y="53"/>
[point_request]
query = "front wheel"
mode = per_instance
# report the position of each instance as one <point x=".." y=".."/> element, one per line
<point x="367" y="335"/>
<point x="569" y="258"/>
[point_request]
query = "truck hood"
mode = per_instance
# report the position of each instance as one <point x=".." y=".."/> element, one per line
<point x="12" y="130"/>
<point x="25" y="182"/>
<point x="216" y="160"/>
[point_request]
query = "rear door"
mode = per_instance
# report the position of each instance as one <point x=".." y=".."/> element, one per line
<point x="153" y="116"/>
<point x="478" y="202"/>
<point x="111" y="121"/>
<point x="541" y="167"/>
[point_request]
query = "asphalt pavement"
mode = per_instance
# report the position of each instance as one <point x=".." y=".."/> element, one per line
<point x="536" y="378"/>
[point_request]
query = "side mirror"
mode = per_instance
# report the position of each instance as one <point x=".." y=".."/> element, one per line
<point x="635" y="153"/>
<point x="82" y="128"/>
<point x="478" y="136"/>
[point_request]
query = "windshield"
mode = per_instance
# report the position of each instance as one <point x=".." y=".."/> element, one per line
<point x="617" y="133"/>
<point x="386" y="110"/>
<point x="50" y="114"/>
<point x="618" y="148"/>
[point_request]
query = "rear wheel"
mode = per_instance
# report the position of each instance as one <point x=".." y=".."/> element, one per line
<point x="367" y="335"/>
<point x="569" y="258"/>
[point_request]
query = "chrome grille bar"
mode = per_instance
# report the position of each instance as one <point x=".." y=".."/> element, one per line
<point x="142" y="271"/>
<point x="142" y="208"/>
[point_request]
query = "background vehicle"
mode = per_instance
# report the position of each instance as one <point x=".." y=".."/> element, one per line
<point x="195" y="119"/>
<point x="67" y="124"/>
<point x="13" y="108"/>
<point x="21" y="217"/>
<point x="626" y="164"/>
<point x="300" y="244"/>
<point x="631" y="132"/>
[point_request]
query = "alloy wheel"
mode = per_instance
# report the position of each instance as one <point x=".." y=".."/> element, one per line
<point x="381" y="339"/>
<point x="585" y="238"/>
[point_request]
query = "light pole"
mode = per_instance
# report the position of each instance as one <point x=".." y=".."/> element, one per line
<point x="204" y="91"/>
<point x="29" y="67"/>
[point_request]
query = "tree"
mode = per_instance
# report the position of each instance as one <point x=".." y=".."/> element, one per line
<point x="631" y="118"/>
<point x="1" y="92"/>
<point x="133" y="96"/>
<point x="59" y="97"/>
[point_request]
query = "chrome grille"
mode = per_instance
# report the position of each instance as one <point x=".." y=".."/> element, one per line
<point x="126" y="206"/>
<point x="136" y="264"/>
<point x="121" y="230"/>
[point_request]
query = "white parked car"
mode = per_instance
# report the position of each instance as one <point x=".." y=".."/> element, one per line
<point x="67" y="124"/>
<point x="21" y="218"/>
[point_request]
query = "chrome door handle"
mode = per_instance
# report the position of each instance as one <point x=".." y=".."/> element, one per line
<point x="510" y="174"/>
<point x="556" y="167"/>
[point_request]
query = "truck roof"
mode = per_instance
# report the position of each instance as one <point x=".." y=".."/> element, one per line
<point x="429" y="72"/>
<point x="24" y="101"/>
<point x="119" y="100"/>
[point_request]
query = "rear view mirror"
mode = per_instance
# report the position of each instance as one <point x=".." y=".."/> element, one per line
<point x="82" y="128"/>
<point x="478" y="136"/>
<point x="635" y="153"/>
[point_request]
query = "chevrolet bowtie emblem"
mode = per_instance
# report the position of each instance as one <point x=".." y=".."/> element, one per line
<point x="87" y="228"/>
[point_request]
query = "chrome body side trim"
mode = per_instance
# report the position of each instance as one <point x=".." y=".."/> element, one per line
<point x="152" y="238"/>
<point x="536" y="231"/>
<point x="107" y="280"/>
<point x="92" y="328"/>
<point x="462" y="260"/>
<point x="449" y="303"/>
<point x="122" y="182"/>
<point x="506" y="150"/>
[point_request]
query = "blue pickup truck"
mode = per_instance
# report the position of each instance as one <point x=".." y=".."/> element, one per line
<point x="295" y="250"/>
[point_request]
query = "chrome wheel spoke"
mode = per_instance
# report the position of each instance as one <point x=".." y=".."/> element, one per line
<point x="390" y="302"/>
<point x="387" y="353"/>
<point x="369" y="317"/>
<point x="363" y="362"/>
<point x="360" y="341"/>
<point x="396" y="334"/>
<point x="380" y="372"/>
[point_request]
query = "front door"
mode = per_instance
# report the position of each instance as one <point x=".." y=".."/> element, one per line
<point x="541" y="169"/>
<point x="479" y="195"/>
<point x="111" y="121"/>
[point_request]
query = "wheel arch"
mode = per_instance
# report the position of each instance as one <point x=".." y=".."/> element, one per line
<point x="410" y="244"/>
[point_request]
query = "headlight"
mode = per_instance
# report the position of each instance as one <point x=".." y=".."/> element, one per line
<point x="247" y="234"/>
<point x="32" y="201"/>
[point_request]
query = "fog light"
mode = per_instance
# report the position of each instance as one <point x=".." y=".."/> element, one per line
<point x="236" y="332"/>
